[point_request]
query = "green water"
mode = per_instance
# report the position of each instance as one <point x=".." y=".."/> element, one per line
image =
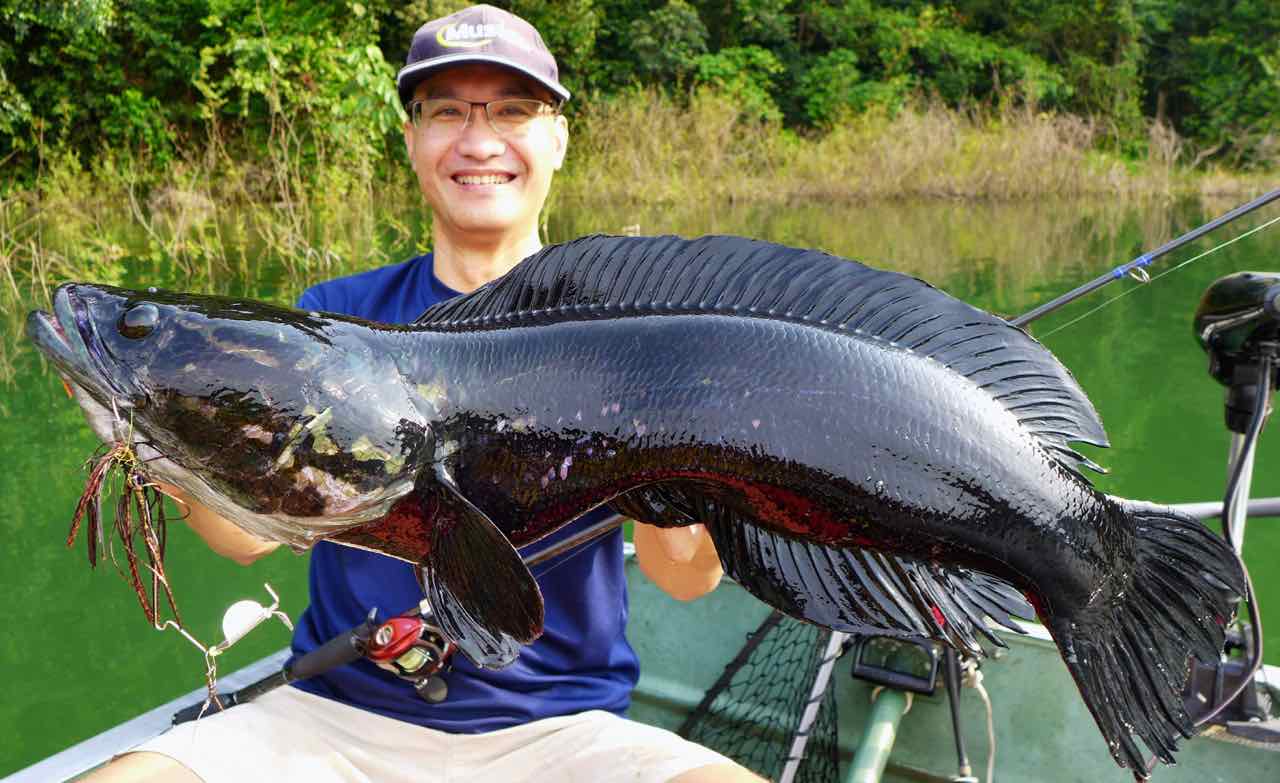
<point x="77" y="656"/>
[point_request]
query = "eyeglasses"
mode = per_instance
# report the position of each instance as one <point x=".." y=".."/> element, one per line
<point x="444" y="117"/>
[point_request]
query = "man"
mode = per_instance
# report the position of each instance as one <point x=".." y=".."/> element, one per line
<point x="484" y="137"/>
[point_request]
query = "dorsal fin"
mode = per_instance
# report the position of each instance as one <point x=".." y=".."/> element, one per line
<point x="601" y="277"/>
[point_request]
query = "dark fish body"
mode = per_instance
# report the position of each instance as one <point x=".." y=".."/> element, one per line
<point x="547" y="425"/>
<point x="868" y="453"/>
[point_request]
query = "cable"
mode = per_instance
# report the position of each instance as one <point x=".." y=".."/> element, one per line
<point x="1262" y="400"/>
<point x="991" y="733"/>
<point x="954" y="681"/>
<point x="973" y="679"/>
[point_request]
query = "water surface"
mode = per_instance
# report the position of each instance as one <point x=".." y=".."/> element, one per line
<point x="78" y="657"/>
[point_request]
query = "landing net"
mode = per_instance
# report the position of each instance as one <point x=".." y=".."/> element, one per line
<point x="754" y="711"/>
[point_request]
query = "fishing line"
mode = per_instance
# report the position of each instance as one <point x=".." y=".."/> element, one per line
<point x="566" y="550"/>
<point x="1073" y="321"/>
<point x="1137" y="265"/>
<point x="1254" y="662"/>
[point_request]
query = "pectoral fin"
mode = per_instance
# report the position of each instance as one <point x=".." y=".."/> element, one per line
<point x="480" y="590"/>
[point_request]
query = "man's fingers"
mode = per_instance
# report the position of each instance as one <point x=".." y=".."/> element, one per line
<point x="680" y="544"/>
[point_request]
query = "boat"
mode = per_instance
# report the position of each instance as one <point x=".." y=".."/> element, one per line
<point x="1028" y="686"/>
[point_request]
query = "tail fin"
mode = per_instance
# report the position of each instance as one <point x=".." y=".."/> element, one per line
<point x="1130" y="654"/>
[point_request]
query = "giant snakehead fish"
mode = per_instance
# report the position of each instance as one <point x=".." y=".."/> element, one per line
<point x="868" y="453"/>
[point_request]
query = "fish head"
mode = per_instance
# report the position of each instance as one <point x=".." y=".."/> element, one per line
<point x="249" y="406"/>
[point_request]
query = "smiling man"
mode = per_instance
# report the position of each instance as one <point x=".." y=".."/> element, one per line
<point x="484" y="137"/>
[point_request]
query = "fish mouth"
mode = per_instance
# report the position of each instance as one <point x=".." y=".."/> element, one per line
<point x="68" y="338"/>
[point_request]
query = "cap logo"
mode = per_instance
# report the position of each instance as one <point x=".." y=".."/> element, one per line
<point x="467" y="36"/>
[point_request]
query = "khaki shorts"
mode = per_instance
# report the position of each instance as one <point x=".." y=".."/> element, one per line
<point x="288" y="734"/>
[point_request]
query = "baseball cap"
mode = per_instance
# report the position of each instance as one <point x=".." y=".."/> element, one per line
<point x="479" y="34"/>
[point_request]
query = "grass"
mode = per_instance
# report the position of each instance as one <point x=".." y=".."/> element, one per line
<point x="645" y="147"/>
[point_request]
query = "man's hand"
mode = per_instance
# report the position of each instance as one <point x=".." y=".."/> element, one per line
<point x="223" y="537"/>
<point x="680" y="560"/>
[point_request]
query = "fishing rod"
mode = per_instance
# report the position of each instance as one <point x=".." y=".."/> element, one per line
<point x="1138" y="265"/>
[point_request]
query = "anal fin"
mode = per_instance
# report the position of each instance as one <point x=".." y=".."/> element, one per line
<point x="481" y="592"/>
<point x="845" y="589"/>
<point x="654" y="505"/>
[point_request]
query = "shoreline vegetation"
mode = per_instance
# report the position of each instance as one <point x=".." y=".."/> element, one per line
<point x="206" y="220"/>
<point x="644" y="146"/>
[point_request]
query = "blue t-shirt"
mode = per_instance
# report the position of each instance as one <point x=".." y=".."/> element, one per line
<point x="582" y="661"/>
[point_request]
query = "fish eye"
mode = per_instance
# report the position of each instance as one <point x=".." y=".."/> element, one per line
<point x="139" y="321"/>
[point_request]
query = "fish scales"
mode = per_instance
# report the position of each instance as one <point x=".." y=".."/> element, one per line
<point x="867" y="453"/>
<point x="753" y="364"/>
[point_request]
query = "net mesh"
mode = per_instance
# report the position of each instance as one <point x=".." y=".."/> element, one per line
<point x="753" y="713"/>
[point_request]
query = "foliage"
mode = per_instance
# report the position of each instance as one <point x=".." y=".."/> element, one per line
<point x="312" y="80"/>
<point x="1093" y="45"/>
<point x="1214" y="74"/>
<point x="667" y="41"/>
<point x="134" y="120"/>
<point x="79" y="70"/>
<point x="832" y="85"/>
<point x="745" y="75"/>
<point x="639" y="146"/>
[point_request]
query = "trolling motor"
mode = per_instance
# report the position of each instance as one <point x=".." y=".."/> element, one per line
<point x="899" y="668"/>
<point x="906" y="663"/>
<point x="1238" y="325"/>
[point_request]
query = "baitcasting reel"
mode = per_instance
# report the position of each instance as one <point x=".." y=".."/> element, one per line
<point x="411" y="648"/>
